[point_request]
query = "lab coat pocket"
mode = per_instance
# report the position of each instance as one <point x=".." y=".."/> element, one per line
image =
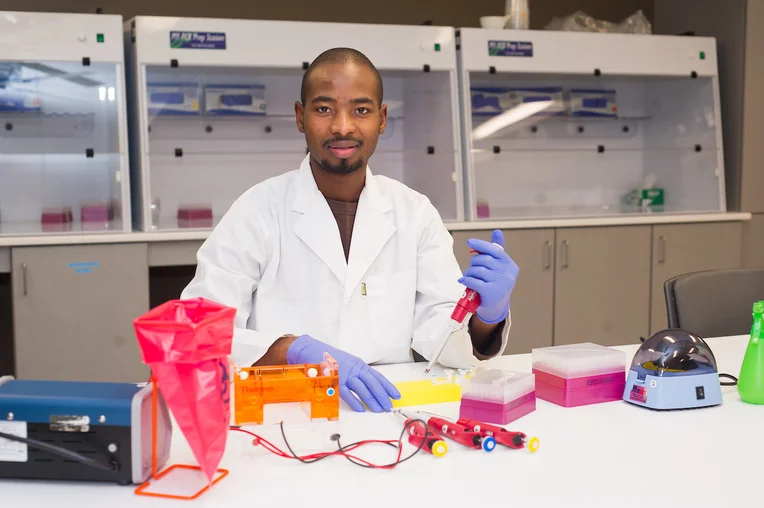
<point x="390" y="301"/>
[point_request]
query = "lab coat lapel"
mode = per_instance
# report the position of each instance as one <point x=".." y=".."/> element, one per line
<point x="317" y="226"/>
<point x="371" y="231"/>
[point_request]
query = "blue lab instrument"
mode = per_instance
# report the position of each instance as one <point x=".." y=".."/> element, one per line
<point x="673" y="369"/>
<point x="55" y="430"/>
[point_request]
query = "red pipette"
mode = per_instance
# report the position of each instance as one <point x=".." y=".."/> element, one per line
<point x="461" y="434"/>
<point x="418" y="433"/>
<point x="508" y="438"/>
<point x="465" y="307"/>
<point x="500" y="434"/>
<point x="454" y="431"/>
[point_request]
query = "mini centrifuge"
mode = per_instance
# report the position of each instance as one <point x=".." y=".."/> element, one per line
<point x="673" y="369"/>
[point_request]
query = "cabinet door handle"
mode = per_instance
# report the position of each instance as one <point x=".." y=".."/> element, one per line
<point x="564" y="254"/>
<point x="661" y="249"/>
<point x="23" y="279"/>
<point x="547" y="255"/>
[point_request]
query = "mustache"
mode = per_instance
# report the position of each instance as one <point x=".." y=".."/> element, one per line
<point x="335" y="140"/>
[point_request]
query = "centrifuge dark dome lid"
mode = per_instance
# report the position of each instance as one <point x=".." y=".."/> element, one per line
<point x="674" y="352"/>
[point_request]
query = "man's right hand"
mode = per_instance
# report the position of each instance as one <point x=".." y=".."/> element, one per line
<point x="277" y="353"/>
<point x="355" y="376"/>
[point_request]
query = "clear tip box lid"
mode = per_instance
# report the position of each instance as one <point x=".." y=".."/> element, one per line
<point x="496" y="385"/>
<point x="578" y="360"/>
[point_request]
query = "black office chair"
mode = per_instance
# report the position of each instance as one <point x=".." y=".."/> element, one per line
<point x="714" y="303"/>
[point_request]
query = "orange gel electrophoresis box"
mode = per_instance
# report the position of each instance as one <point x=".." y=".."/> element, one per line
<point x="316" y="386"/>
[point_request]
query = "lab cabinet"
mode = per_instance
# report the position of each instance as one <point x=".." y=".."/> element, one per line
<point x="73" y="311"/>
<point x="214" y="110"/>
<point x="5" y="260"/>
<point x="63" y="127"/>
<point x="172" y="266"/>
<point x="753" y="242"/>
<point x="568" y="124"/>
<point x="533" y="296"/>
<point x="685" y="248"/>
<point x="178" y="253"/>
<point x="6" y="326"/>
<point x="602" y="285"/>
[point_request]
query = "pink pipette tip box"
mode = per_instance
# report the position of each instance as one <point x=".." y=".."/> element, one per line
<point x="59" y="215"/>
<point x="579" y="374"/>
<point x="497" y="414"/>
<point x="195" y="216"/>
<point x="195" y="212"/>
<point x="95" y="212"/>
<point x="498" y="396"/>
<point x="483" y="210"/>
<point x="56" y="227"/>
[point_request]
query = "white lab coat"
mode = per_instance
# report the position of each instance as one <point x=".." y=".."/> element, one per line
<point x="277" y="258"/>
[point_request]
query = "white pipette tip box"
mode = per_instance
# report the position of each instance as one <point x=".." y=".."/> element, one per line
<point x="498" y="396"/>
<point x="579" y="374"/>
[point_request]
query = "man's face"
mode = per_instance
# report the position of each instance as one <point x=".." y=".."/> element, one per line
<point x="341" y="118"/>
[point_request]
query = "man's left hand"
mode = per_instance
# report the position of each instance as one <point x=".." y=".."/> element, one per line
<point x="492" y="274"/>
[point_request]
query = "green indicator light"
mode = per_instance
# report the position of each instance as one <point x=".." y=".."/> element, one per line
<point x="437" y="47"/>
<point x="99" y="37"/>
<point x="702" y="55"/>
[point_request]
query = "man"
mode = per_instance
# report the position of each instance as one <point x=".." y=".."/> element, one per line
<point x="330" y="258"/>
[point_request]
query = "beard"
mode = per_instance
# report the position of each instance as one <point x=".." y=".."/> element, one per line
<point x="344" y="167"/>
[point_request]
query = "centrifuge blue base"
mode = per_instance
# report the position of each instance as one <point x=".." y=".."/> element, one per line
<point x="686" y="391"/>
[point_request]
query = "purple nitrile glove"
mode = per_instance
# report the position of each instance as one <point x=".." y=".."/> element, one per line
<point x="355" y="376"/>
<point x="492" y="273"/>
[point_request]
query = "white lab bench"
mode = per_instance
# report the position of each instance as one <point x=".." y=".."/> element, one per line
<point x="598" y="279"/>
<point x="590" y="456"/>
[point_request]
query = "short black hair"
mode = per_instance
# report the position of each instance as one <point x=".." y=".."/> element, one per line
<point x="341" y="56"/>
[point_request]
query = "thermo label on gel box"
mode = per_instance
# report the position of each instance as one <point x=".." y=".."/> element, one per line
<point x="12" y="451"/>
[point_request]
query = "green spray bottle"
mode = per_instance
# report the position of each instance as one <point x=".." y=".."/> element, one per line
<point x="750" y="384"/>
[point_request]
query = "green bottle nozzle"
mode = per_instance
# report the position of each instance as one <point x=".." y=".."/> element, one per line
<point x="750" y="383"/>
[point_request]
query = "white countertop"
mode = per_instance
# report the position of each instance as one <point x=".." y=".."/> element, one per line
<point x="201" y="234"/>
<point x="575" y="222"/>
<point x="613" y="454"/>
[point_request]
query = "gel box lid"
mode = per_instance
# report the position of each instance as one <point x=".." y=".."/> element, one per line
<point x="499" y="386"/>
<point x="578" y="360"/>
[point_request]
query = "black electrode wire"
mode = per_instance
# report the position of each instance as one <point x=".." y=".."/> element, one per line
<point x="61" y="452"/>
<point x="728" y="376"/>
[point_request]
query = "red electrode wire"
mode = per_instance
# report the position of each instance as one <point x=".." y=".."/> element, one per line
<point x="341" y="451"/>
<point x="315" y="456"/>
